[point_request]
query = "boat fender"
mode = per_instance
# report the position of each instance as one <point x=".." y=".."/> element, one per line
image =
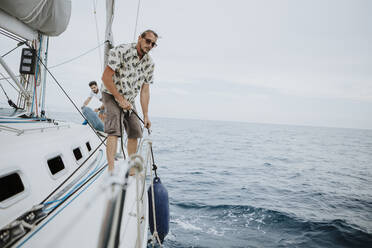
<point x="93" y="118"/>
<point x="161" y="209"/>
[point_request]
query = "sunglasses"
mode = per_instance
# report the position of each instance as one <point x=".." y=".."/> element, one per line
<point x="150" y="42"/>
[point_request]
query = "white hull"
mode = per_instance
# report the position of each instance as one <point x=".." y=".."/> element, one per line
<point x="79" y="221"/>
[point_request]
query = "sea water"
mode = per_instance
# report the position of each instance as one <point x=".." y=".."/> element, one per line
<point x="236" y="184"/>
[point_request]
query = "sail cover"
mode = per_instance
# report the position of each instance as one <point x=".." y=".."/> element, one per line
<point x="49" y="17"/>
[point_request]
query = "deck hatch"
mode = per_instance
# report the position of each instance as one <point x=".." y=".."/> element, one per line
<point x="88" y="146"/>
<point x="77" y="153"/>
<point x="10" y="185"/>
<point x="55" y="165"/>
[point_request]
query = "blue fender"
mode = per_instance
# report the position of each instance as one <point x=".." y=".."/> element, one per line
<point x="93" y="118"/>
<point x="161" y="209"/>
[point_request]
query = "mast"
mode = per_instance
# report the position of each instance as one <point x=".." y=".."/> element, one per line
<point x="34" y="22"/>
<point x="110" y="5"/>
<point x="44" y="78"/>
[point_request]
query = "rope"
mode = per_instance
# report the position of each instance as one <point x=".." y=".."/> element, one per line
<point x="135" y="27"/>
<point x="154" y="167"/>
<point x="121" y="132"/>
<point x="155" y="234"/>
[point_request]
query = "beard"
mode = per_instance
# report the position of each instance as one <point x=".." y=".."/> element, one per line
<point x="143" y="51"/>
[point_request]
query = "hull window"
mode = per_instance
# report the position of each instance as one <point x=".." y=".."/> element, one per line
<point x="55" y="165"/>
<point x="10" y="185"/>
<point x="88" y="146"/>
<point x="77" y="153"/>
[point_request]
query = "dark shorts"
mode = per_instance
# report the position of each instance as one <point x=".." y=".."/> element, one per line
<point x="129" y="122"/>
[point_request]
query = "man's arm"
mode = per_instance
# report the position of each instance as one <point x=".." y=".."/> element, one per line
<point x="110" y="86"/>
<point x="145" y="99"/>
<point x="86" y="102"/>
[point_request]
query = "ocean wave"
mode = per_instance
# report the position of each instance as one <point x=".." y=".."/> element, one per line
<point x="337" y="231"/>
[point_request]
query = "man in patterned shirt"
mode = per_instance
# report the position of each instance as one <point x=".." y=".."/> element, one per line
<point x="129" y="71"/>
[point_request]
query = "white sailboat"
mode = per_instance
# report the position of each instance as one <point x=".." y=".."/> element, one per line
<point x="55" y="190"/>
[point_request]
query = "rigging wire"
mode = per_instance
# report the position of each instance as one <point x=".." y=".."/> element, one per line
<point x="10" y="102"/>
<point x="135" y="27"/>
<point x="18" y="45"/>
<point x="6" y="78"/>
<point x="81" y="55"/>
<point x="72" y="102"/>
<point x="65" y="62"/>
<point x="7" y="97"/>
<point x="97" y="30"/>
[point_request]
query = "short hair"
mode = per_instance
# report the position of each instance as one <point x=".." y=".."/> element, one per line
<point x="148" y="31"/>
<point x="92" y="83"/>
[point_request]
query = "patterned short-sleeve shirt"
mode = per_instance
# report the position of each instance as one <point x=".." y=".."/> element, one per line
<point x="130" y="71"/>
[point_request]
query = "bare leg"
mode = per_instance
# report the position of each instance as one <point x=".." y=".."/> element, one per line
<point x="112" y="142"/>
<point x="132" y="148"/>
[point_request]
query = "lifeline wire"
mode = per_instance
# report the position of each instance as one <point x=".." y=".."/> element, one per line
<point x="59" y="186"/>
<point x="37" y="230"/>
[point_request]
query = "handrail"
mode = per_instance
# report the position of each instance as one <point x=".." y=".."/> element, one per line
<point x="110" y="229"/>
<point x="23" y="131"/>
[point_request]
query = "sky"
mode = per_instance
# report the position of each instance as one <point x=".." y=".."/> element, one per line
<point x="298" y="62"/>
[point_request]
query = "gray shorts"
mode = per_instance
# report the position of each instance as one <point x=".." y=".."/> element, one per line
<point x="129" y="122"/>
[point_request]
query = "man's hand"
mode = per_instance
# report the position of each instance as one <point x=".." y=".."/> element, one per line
<point x="96" y="110"/>
<point x="147" y="122"/>
<point x="124" y="104"/>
